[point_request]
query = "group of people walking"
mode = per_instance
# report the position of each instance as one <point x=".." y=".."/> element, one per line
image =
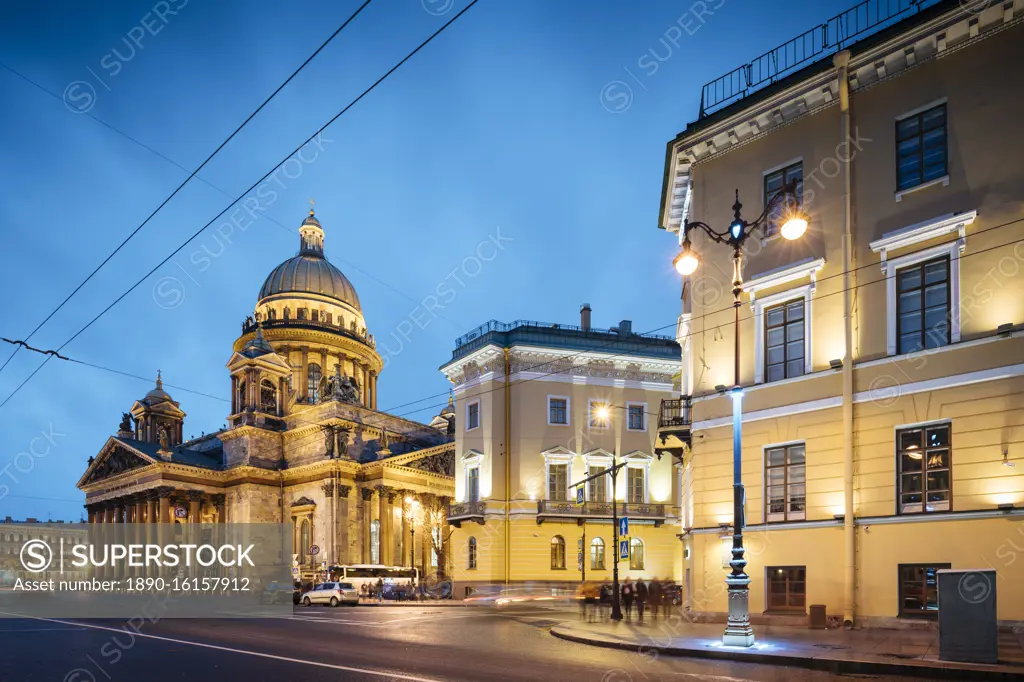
<point x="657" y="595"/>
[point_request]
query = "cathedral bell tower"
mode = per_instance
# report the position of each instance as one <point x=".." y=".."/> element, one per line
<point x="260" y="382"/>
<point x="158" y="418"/>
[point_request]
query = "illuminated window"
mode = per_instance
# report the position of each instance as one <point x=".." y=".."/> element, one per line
<point x="268" y="396"/>
<point x="786" y="481"/>
<point x="598" y="414"/>
<point x="784" y="340"/>
<point x="597" y="554"/>
<point x="787" y="588"/>
<point x="473" y="484"/>
<point x="919" y="590"/>
<point x="557" y="553"/>
<point x="313" y="382"/>
<point x="636" y="554"/>
<point x="471" y="551"/>
<point x="558" y="481"/>
<point x="922" y="306"/>
<point x="773" y="183"/>
<point x="635" y="485"/>
<point x="597" y="488"/>
<point x="924" y="459"/>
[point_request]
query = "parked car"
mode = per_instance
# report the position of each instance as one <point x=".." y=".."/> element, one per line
<point x="331" y="593"/>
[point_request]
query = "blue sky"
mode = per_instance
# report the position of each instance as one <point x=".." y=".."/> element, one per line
<point x="496" y="130"/>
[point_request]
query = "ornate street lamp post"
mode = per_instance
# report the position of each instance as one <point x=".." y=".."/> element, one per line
<point x="794" y="223"/>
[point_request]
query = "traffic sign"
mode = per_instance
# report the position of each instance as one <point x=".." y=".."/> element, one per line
<point x="623" y="549"/>
<point x="579" y="557"/>
<point x="623" y="526"/>
<point x="579" y="495"/>
<point x="323" y="565"/>
<point x="579" y="543"/>
<point x="180" y="512"/>
<point x="295" y="570"/>
<point x="314" y="550"/>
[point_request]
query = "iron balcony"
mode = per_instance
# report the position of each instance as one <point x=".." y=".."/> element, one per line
<point x="568" y="509"/>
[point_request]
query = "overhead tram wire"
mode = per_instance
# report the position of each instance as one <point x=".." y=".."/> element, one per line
<point x="251" y="187"/>
<point x="157" y="153"/>
<point x="186" y="180"/>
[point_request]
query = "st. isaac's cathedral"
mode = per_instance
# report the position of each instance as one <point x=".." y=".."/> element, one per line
<point x="304" y="443"/>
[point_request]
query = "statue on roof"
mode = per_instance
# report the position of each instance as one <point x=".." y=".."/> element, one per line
<point x="126" y="422"/>
<point x="341" y="388"/>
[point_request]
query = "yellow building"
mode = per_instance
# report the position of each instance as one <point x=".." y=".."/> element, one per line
<point x="881" y="353"/>
<point x="540" y="388"/>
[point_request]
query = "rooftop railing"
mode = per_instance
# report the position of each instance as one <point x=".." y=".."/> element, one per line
<point x="831" y="36"/>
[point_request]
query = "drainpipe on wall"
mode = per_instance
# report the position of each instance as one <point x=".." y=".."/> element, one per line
<point x="841" y="62"/>
<point x="508" y="470"/>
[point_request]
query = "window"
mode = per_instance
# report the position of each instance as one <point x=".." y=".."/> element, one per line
<point x="471" y="554"/>
<point x="558" y="481"/>
<point x="315" y="315"/>
<point x="922" y="306"/>
<point x="919" y="590"/>
<point x="304" y="540"/>
<point x="558" y="410"/>
<point x="775" y="181"/>
<point x="598" y="421"/>
<point x="785" y="480"/>
<point x="635" y="485"/>
<point x="557" y="553"/>
<point x="784" y="340"/>
<point x="313" y="382"/>
<point x="636" y="554"/>
<point x="924" y="461"/>
<point x="473" y="415"/>
<point x="268" y="396"/>
<point x="787" y="588"/>
<point x="597" y="488"/>
<point x="921" y="148"/>
<point x="473" y="484"/>
<point x="328" y="318"/>
<point x="635" y="417"/>
<point x="597" y="554"/>
<point x="241" y="396"/>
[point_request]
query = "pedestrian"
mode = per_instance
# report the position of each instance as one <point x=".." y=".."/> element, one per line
<point x="668" y="595"/>
<point x="380" y="590"/>
<point x="641" y="598"/>
<point x="627" y="597"/>
<point x="654" y="597"/>
<point x="605" y="600"/>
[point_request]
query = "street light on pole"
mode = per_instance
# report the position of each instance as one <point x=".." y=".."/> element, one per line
<point x="738" y="631"/>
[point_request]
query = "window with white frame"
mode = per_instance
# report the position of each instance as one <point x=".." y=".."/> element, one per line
<point x="785" y="350"/>
<point x="472" y="415"/>
<point x="922" y="305"/>
<point x="558" y="481"/>
<point x="598" y="411"/>
<point x="473" y="483"/>
<point x="636" y="554"/>
<point x="636" y="484"/>
<point x="636" y="416"/>
<point x="597" y="488"/>
<point x="774" y="181"/>
<point x="471" y="554"/>
<point x="924" y="459"/>
<point x="785" y="482"/>
<point x="597" y="554"/>
<point x="558" y="410"/>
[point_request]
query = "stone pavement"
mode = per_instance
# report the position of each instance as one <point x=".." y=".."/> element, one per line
<point x="874" y="651"/>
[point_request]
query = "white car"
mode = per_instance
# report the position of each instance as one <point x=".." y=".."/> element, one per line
<point x="332" y="593"/>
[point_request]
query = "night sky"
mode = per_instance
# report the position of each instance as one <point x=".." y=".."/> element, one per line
<point x="535" y="125"/>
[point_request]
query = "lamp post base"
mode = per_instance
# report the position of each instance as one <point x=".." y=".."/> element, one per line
<point x="738" y="631"/>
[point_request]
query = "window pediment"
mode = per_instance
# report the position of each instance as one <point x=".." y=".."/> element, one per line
<point x="924" y="231"/>
<point x="806" y="268"/>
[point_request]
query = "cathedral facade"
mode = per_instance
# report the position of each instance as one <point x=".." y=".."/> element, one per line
<point x="304" y="445"/>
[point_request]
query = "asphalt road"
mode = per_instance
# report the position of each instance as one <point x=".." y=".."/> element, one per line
<point x="319" y="644"/>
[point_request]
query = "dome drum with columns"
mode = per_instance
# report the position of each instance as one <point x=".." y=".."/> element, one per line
<point x="309" y="315"/>
<point x="304" y="443"/>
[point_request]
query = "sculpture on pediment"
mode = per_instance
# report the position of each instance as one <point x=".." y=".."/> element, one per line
<point x="117" y="462"/>
<point x="126" y="422"/>
<point x="442" y="463"/>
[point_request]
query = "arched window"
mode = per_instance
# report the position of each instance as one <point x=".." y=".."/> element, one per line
<point x="471" y="562"/>
<point x="241" y="396"/>
<point x="268" y="397"/>
<point x="375" y="542"/>
<point x="304" y="540"/>
<point x="557" y="553"/>
<point x="597" y="554"/>
<point x="636" y="554"/>
<point x="313" y="387"/>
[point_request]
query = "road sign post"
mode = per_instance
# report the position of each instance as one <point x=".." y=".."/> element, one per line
<point x="623" y="549"/>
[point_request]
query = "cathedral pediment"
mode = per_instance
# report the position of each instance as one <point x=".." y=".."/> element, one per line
<point x="115" y="458"/>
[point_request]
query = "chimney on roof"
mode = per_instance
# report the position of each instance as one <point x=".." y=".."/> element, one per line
<point x="585" y="317"/>
<point x="625" y="328"/>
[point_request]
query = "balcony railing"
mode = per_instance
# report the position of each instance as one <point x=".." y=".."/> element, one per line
<point x="466" y="511"/>
<point x="833" y="35"/>
<point x="599" y="510"/>
<point x="675" y="413"/>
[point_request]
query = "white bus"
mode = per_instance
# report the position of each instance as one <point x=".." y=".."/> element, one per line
<point x="395" y="577"/>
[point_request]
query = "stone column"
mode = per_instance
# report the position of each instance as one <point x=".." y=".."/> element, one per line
<point x="195" y="500"/>
<point x="119" y="511"/>
<point x="373" y="383"/>
<point x="151" y="509"/>
<point x="304" y="375"/>
<point x="404" y="540"/>
<point x="393" y="559"/>
<point x="444" y="559"/>
<point x="367" y="495"/>
<point x="425" y="535"/>
<point x="330" y="536"/>
<point x="343" y="516"/>
<point x="164" y="495"/>
<point x="382" y="516"/>
<point x="140" y="511"/>
<point x="220" y="502"/>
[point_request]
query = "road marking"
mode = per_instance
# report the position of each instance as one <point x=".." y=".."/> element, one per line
<point x="44" y="630"/>
<point x="260" y="654"/>
<point x="699" y="676"/>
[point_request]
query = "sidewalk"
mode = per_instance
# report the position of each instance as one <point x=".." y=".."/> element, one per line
<point x="892" y="652"/>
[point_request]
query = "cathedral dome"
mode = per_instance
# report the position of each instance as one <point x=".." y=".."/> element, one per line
<point x="310" y="272"/>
